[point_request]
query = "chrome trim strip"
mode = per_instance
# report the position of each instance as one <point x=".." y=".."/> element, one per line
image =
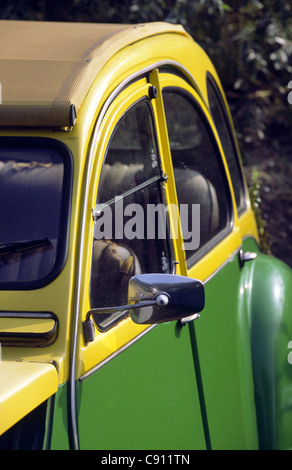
<point x="115" y="354"/>
<point x="76" y="313"/>
<point x="185" y="72"/>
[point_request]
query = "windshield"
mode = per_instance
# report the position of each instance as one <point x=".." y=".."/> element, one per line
<point x="32" y="213"/>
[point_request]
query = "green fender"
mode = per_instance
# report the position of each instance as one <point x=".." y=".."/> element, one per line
<point x="266" y="298"/>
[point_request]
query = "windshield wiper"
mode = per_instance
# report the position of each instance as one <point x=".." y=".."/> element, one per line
<point x="15" y="247"/>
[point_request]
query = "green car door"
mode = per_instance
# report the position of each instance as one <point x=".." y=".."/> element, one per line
<point x="174" y="385"/>
<point x="144" y="394"/>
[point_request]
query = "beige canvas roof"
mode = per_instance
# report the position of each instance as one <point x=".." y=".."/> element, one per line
<point x="47" y="68"/>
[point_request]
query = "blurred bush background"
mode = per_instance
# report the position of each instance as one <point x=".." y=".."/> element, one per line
<point x="250" y="43"/>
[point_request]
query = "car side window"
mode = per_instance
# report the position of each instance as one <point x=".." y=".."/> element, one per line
<point x="220" y="118"/>
<point x="126" y="239"/>
<point x="198" y="171"/>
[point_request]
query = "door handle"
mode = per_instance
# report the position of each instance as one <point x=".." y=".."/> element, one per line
<point x="246" y="256"/>
<point x="189" y="319"/>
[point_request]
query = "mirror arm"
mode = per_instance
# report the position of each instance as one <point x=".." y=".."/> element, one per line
<point x="105" y="310"/>
<point x="161" y="300"/>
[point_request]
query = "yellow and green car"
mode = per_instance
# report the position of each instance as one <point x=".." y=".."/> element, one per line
<point x="137" y="310"/>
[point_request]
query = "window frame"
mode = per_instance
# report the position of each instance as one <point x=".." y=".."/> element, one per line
<point x="64" y="152"/>
<point x="243" y="192"/>
<point x="144" y="183"/>
<point x="215" y="240"/>
<point x="159" y="180"/>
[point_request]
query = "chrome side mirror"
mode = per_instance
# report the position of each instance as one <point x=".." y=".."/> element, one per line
<point x="174" y="297"/>
<point x="156" y="298"/>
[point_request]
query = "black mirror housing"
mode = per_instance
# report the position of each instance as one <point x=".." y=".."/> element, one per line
<point x="155" y="298"/>
<point x="175" y="297"/>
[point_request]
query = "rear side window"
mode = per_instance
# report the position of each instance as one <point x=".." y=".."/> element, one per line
<point x="200" y="179"/>
<point x="222" y="124"/>
<point x="34" y="192"/>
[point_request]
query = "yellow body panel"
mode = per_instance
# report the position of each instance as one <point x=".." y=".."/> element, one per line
<point x="24" y="386"/>
<point x="26" y="325"/>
